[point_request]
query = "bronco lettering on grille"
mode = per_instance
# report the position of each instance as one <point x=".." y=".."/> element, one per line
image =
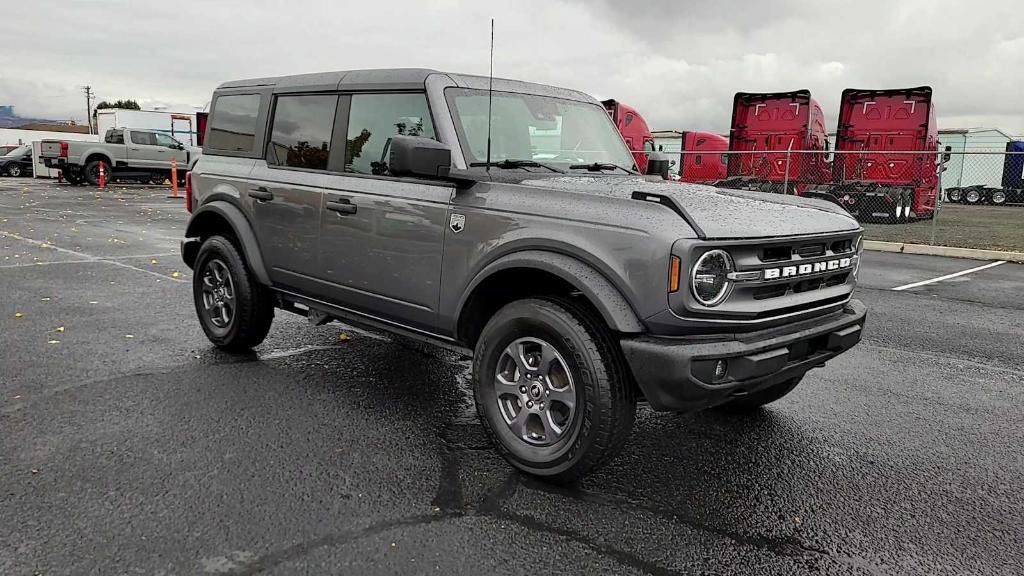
<point x="805" y="269"/>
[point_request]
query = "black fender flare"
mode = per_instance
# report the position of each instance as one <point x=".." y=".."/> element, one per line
<point x="201" y="223"/>
<point x="608" y="300"/>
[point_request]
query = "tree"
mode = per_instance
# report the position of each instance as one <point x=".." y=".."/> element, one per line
<point x="122" y="104"/>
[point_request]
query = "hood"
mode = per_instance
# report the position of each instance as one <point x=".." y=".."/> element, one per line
<point x="717" y="213"/>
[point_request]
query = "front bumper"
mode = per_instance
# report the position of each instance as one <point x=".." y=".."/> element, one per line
<point x="678" y="374"/>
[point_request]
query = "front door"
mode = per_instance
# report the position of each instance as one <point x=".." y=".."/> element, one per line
<point x="174" y="150"/>
<point x="381" y="238"/>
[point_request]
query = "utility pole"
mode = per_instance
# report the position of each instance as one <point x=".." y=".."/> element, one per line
<point x="88" y="106"/>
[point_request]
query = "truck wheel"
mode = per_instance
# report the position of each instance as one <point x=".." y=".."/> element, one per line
<point x="998" y="197"/>
<point x="954" y="194"/>
<point x="552" y="389"/>
<point x="234" y="309"/>
<point x="752" y="402"/>
<point x="13" y="170"/>
<point x="92" y="172"/>
<point x="71" y="178"/>
<point x="972" y="196"/>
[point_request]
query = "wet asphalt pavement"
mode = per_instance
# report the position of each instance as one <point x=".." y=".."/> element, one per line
<point x="128" y="445"/>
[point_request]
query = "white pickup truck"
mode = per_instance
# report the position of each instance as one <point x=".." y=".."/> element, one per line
<point x="123" y="154"/>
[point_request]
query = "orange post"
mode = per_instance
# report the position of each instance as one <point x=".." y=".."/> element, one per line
<point x="103" y="175"/>
<point x="174" y="178"/>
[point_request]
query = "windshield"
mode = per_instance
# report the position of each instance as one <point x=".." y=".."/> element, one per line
<point x="564" y="133"/>
<point x="20" y="151"/>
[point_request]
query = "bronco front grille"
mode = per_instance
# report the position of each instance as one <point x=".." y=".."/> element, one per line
<point x="775" y="277"/>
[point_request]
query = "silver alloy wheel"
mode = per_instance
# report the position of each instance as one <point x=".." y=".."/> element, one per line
<point x="535" y="391"/>
<point x="218" y="293"/>
<point x="999" y="197"/>
<point x="973" y="196"/>
<point x="954" y="195"/>
<point x="14" y="170"/>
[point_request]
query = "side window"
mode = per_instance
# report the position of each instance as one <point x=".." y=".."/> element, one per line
<point x="115" y="137"/>
<point x="301" y="133"/>
<point x="166" y="141"/>
<point x="373" y="118"/>
<point x="144" y="138"/>
<point x="233" y="123"/>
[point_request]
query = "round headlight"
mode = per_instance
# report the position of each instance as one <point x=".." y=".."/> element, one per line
<point x="709" y="278"/>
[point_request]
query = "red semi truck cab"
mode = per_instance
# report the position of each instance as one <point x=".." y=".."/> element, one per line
<point x="634" y="131"/>
<point x="872" y="180"/>
<point x="766" y="127"/>
<point x="703" y="157"/>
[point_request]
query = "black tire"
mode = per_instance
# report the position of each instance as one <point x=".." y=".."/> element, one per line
<point x="252" y="308"/>
<point x="14" y="170"/>
<point x="754" y="401"/>
<point x="955" y="195"/>
<point x="973" y="197"/>
<point x="603" y="389"/>
<point x="997" y="197"/>
<point x="92" y="172"/>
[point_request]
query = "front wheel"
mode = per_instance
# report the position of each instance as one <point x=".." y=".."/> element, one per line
<point x="998" y="197"/>
<point x="752" y="402"/>
<point x="552" y="389"/>
<point x="234" y="309"/>
<point x="13" y="170"/>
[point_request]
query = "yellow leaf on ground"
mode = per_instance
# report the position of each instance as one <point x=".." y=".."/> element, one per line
<point x="53" y="341"/>
<point x="129" y="336"/>
<point x="343" y="337"/>
<point x="18" y="314"/>
<point x="59" y="329"/>
<point x="175" y="274"/>
<point x="153" y="261"/>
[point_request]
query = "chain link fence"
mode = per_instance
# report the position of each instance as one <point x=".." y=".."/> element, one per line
<point x="965" y="199"/>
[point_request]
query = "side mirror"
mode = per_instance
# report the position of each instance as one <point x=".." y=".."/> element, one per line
<point x="417" y="157"/>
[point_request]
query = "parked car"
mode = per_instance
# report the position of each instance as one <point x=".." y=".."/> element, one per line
<point x="17" y="162"/>
<point x="511" y="226"/>
<point x="5" y="148"/>
<point x="124" y="153"/>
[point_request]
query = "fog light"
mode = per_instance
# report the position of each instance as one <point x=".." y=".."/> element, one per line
<point x="721" y="368"/>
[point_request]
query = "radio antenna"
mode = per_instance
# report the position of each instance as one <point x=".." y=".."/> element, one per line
<point x="490" y="92"/>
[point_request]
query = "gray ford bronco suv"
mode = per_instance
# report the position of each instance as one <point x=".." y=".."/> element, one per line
<point x="579" y="286"/>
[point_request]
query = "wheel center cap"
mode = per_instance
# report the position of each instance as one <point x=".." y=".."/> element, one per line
<point x="536" y="391"/>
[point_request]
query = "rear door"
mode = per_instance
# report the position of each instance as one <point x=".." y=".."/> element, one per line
<point x="144" y="152"/>
<point x="381" y="237"/>
<point x="286" y="188"/>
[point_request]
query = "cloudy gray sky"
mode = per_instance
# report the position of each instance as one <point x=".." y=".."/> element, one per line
<point x="678" y="62"/>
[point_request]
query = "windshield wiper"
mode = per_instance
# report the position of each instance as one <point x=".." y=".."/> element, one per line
<point x="506" y="164"/>
<point x="599" y="166"/>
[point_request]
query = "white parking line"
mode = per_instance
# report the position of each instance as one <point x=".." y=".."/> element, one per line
<point x="87" y="257"/>
<point x="948" y="276"/>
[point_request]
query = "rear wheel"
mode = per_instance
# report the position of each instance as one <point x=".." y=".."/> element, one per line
<point x="752" y="402"/>
<point x="955" y="194"/>
<point x="972" y="196"/>
<point x="552" y="389"/>
<point x="234" y="309"/>
<point x="998" y="197"/>
<point x="92" y="172"/>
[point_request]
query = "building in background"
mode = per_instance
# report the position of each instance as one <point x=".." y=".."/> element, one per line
<point x="33" y="132"/>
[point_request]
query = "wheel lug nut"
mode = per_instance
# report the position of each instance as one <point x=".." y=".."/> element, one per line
<point x="522" y="389"/>
<point x="529" y="403"/>
<point x="541" y="405"/>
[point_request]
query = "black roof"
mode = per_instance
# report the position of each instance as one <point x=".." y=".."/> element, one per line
<point x="395" y="79"/>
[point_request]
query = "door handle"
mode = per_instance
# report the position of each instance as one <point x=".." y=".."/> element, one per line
<point x="341" y="206"/>
<point x="261" y="194"/>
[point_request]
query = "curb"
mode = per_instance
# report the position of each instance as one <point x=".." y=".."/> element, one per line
<point x="943" y="251"/>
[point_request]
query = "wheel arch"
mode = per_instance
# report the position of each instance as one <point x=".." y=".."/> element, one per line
<point x="94" y="155"/>
<point x="221" y="216"/>
<point x="535" y="273"/>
